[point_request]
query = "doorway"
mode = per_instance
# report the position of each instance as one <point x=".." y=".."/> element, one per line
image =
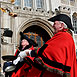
<point x="38" y="34"/>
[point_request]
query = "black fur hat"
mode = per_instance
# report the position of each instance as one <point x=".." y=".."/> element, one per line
<point x="63" y="17"/>
<point x="31" y="42"/>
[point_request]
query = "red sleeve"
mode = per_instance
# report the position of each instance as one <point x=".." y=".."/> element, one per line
<point x="16" y="52"/>
<point x="32" y="48"/>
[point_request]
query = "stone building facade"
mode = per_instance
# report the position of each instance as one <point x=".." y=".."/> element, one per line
<point x="30" y="17"/>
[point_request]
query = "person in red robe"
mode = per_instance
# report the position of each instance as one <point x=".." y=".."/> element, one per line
<point x="57" y="56"/>
<point x="22" y="64"/>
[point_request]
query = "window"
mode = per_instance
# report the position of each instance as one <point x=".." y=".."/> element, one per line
<point x="75" y="24"/>
<point x="72" y="0"/>
<point x="76" y="52"/>
<point x="18" y="2"/>
<point x="28" y="3"/>
<point x="36" y="38"/>
<point x="39" y="3"/>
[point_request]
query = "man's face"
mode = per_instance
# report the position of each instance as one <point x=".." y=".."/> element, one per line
<point x="24" y="42"/>
<point x="57" y="26"/>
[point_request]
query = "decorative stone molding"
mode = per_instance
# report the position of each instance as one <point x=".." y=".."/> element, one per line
<point x="65" y="2"/>
<point x="23" y="12"/>
<point x="28" y="9"/>
<point x="40" y="10"/>
<point x="64" y="9"/>
<point x="17" y="7"/>
<point x="36" y="21"/>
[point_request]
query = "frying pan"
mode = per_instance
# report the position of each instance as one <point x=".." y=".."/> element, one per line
<point x="9" y="57"/>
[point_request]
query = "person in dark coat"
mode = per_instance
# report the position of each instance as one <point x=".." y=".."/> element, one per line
<point x="6" y="64"/>
<point x="57" y="56"/>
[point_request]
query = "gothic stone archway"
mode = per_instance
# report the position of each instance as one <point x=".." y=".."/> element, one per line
<point x="38" y="26"/>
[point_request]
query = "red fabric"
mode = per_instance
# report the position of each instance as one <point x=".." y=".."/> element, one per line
<point x="21" y="71"/>
<point x="33" y="72"/>
<point x="32" y="48"/>
<point x="61" y="49"/>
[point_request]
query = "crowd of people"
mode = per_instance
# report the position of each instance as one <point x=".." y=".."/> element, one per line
<point x="56" y="58"/>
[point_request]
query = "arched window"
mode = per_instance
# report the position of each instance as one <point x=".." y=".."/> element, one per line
<point x="75" y="24"/>
<point x="39" y="3"/>
<point x="72" y="0"/>
<point x="18" y="2"/>
<point x="28" y="3"/>
<point x="36" y="38"/>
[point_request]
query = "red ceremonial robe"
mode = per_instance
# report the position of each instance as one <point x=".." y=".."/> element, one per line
<point x="24" y="71"/>
<point x="59" y="55"/>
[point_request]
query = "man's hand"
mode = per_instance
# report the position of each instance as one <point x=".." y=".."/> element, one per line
<point x="24" y="53"/>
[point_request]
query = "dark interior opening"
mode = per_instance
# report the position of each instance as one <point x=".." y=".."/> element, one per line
<point x="38" y="30"/>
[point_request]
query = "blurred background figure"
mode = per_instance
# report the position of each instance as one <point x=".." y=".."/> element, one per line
<point x="6" y="64"/>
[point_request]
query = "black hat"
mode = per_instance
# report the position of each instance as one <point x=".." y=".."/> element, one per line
<point x="62" y="17"/>
<point x="31" y="42"/>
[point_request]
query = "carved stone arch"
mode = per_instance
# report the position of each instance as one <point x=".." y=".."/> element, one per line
<point x="44" y="24"/>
